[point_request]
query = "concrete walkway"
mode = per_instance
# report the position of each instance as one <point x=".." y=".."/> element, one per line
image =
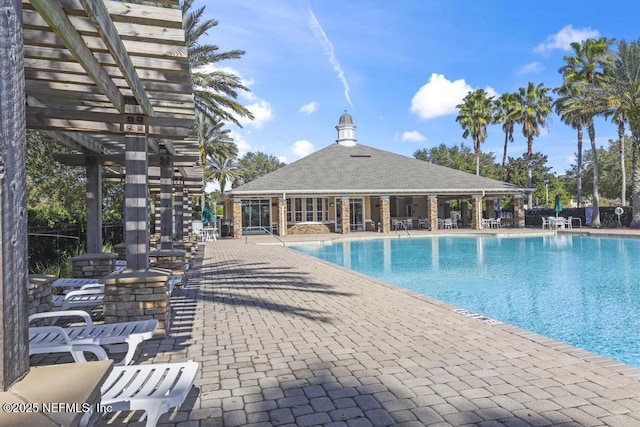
<point x="285" y="339"/>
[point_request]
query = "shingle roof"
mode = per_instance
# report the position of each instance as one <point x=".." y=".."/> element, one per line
<point x="363" y="169"/>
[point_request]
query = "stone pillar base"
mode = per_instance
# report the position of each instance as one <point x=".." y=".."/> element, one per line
<point x="93" y="266"/>
<point x="39" y="293"/>
<point x="170" y="259"/>
<point x="137" y="295"/>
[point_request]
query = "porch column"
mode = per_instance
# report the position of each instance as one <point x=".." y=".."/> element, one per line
<point x="282" y="216"/>
<point x="14" y="347"/>
<point x="447" y="209"/>
<point x="237" y="218"/>
<point x="136" y="210"/>
<point x="93" y="201"/>
<point x="346" y="216"/>
<point x="518" y="211"/>
<point x="464" y="212"/>
<point x="179" y="213"/>
<point x="188" y="214"/>
<point x="156" y="213"/>
<point x="491" y="207"/>
<point x="166" y="208"/>
<point x="476" y="212"/>
<point x="385" y="214"/>
<point x="432" y="212"/>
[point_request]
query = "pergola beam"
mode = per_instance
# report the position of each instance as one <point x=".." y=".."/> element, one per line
<point x="64" y="29"/>
<point x="98" y="13"/>
<point x="118" y="159"/>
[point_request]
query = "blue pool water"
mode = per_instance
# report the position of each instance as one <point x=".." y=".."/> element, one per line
<point x="575" y="289"/>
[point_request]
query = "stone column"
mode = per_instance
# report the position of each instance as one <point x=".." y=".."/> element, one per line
<point x="346" y="216"/>
<point x="179" y="213"/>
<point x="518" y="211"/>
<point x="282" y="216"/>
<point x="166" y="205"/>
<point x="432" y="212"/>
<point x="476" y="212"/>
<point x="93" y="265"/>
<point x="137" y="295"/>
<point x="385" y="214"/>
<point x="14" y="345"/>
<point x="94" y="205"/>
<point x="136" y="195"/>
<point x="491" y="207"/>
<point x="237" y="218"/>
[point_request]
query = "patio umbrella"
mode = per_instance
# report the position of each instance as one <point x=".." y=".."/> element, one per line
<point x="558" y="205"/>
<point x="207" y="214"/>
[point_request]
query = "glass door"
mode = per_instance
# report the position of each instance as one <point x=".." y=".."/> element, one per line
<point x="356" y="214"/>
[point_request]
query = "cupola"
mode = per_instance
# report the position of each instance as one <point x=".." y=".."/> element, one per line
<point x="346" y="131"/>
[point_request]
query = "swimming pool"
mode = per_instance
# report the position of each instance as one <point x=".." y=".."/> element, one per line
<point x="576" y="289"/>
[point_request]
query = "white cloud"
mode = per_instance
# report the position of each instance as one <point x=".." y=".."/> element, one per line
<point x="562" y="39"/>
<point x="328" y="50"/>
<point x="413" y="136"/>
<point x="283" y="159"/>
<point x="531" y="68"/>
<point x="262" y="113"/>
<point x="491" y="92"/>
<point x="243" y="146"/>
<point x="439" y="97"/>
<point x="309" y="108"/>
<point x="302" y="148"/>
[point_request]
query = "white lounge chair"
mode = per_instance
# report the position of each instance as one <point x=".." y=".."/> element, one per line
<point x="88" y="296"/>
<point x="153" y="388"/>
<point x="54" y="339"/>
<point x="106" y="334"/>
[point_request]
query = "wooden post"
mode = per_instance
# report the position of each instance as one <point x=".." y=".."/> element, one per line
<point x="166" y="210"/>
<point x="94" y="205"/>
<point x="188" y="214"/>
<point x="14" y="345"/>
<point x="135" y="202"/>
<point x="180" y="208"/>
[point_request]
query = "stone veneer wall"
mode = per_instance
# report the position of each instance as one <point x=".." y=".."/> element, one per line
<point x="310" y="229"/>
<point x="137" y="295"/>
<point x="476" y="212"/>
<point x="518" y="211"/>
<point x="432" y="212"/>
<point x="237" y="218"/>
<point x="93" y="265"/>
<point x="39" y="293"/>
<point x="385" y="215"/>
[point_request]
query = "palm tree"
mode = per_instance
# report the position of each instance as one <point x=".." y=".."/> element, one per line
<point x="574" y="117"/>
<point x="586" y="68"/>
<point x="508" y="112"/>
<point x="475" y="114"/>
<point x="536" y="107"/>
<point x="222" y="169"/>
<point x="213" y="139"/>
<point x="215" y="91"/>
<point x="621" y="93"/>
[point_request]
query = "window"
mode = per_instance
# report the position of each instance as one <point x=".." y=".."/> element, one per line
<point x="298" y="211"/>
<point x="319" y="209"/>
<point x="309" y="209"/>
<point x="289" y="213"/>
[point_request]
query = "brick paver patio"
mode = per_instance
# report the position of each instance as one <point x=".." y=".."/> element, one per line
<point x="287" y="340"/>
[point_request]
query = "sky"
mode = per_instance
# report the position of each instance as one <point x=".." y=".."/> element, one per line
<point x="400" y="67"/>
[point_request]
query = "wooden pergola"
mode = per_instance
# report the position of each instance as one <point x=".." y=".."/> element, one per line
<point x="111" y="81"/>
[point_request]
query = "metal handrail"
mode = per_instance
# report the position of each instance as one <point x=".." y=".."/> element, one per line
<point x="403" y="225"/>
<point x="54" y="235"/>
<point x="266" y="230"/>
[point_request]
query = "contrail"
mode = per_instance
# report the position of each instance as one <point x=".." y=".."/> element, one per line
<point x="328" y="50"/>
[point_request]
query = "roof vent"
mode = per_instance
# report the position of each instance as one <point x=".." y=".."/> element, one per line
<point x="361" y="155"/>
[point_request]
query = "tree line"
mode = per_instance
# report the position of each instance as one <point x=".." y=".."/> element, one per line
<point x="599" y="78"/>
